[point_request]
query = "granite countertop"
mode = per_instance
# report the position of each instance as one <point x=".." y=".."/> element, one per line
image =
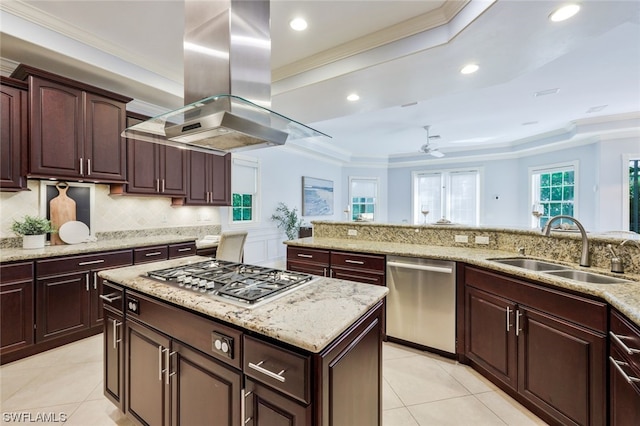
<point x="625" y="297"/>
<point x="13" y="254"/>
<point x="310" y="317"/>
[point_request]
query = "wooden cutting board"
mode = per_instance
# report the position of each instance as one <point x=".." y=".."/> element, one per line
<point x="62" y="209"/>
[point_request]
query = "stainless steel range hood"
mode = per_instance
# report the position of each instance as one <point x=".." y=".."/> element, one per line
<point x="227" y="84"/>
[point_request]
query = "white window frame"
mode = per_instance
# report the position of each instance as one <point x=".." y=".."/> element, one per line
<point x="445" y="199"/>
<point x="247" y="161"/>
<point x="546" y="168"/>
<point x="376" y="204"/>
<point x="626" y="208"/>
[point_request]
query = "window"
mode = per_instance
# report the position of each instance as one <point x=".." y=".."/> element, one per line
<point x="244" y="188"/>
<point x="554" y="189"/>
<point x="450" y="194"/>
<point x="363" y="195"/>
<point x="634" y="195"/>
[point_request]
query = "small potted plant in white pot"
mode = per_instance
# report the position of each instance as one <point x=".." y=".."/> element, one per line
<point x="33" y="230"/>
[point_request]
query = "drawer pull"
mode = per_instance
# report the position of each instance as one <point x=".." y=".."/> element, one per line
<point x="185" y="249"/>
<point x="617" y="364"/>
<point x="356" y="262"/>
<point x="155" y="253"/>
<point x="110" y="297"/>
<point x="91" y="262"/>
<point x="277" y="376"/>
<point x="618" y="340"/>
<point x="309" y="256"/>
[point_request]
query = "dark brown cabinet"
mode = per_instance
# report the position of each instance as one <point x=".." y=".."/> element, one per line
<point x="113" y="344"/>
<point x="154" y="169"/>
<point x="624" y="371"/>
<point x="544" y="346"/>
<point x="16" y="306"/>
<point x="209" y="180"/>
<point x="67" y="292"/>
<point x="74" y="129"/>
<point x="14" y="134"/>
<point x="265" y="407"/>
<point x="359" y="267"/>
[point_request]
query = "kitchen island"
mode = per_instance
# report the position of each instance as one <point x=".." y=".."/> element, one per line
<point x="309" y="357"/>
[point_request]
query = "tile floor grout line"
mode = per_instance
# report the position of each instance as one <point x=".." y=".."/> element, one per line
<point x="489" y="408"/>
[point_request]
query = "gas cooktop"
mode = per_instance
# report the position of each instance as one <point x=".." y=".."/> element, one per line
<point x="247" y="285"/>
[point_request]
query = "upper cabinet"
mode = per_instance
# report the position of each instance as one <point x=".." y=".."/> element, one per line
<point x="14" y="134"/>
<point x="153" y="169"/>
<point x="209" y="180"/>
<point x="74" y="129"/>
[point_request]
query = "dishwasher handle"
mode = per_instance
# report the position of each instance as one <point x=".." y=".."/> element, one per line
<point x="420" y="267"/>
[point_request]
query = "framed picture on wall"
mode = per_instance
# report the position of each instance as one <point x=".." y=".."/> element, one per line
<point x="317" y="197"/>
<point x="67" y="201"/>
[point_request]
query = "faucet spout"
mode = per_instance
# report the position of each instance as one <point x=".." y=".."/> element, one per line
<point x="584" y="257"/>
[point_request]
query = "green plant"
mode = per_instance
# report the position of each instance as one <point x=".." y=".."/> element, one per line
<point x="287" y="220"/>
<point x="32" y="225"/>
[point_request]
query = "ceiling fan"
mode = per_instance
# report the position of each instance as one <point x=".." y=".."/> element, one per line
<point x="426" y="148"/>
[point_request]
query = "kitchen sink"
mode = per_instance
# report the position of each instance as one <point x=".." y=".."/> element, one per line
<point x="530" y="264"/>
<point x="587" y="277"/>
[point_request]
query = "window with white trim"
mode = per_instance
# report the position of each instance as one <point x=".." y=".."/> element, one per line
<point x="244" y="189"/>
<point x="447" y="194"/>
<point x="553" y="188"/>
<point x="363" y="198"/>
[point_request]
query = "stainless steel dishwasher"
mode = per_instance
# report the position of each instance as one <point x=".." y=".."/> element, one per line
<point x="421" y="304"/>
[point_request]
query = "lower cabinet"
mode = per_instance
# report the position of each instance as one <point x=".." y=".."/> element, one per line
<point x="624" y="371"/>
<point x="16" y="306"/>
<point x="544" y="346"/>
<point x="266" y="407"/>
<point x="113" y="357"/>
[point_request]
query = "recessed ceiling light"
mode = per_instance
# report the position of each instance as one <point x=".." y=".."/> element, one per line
<point x="353" y="97"/>
<point x="298" y="24"/>
<point x="596" y="108"/>
<point x="529" y="123"/>
<point x="546" y="92"/>
<point x="565" y="12"/>
<point x="469" y="69"/>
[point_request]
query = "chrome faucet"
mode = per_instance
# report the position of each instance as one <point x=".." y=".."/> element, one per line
<point x="584" y="258"/>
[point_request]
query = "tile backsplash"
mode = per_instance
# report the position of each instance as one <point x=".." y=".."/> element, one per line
<point x="114" y="213"/>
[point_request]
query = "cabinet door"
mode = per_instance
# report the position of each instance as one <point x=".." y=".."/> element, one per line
<point x="114" y="358"/>
<point x="105" y="153"/>
<point x="203" y="391"/>
<point x="220" y="188"/>
<point x="16" y="315"/>
<point x="143" y="160"/>
<point x="490" y="337"/>
<point x="62" y="305"/>
<point x="198" y="181"/>
<point x="264" y="407"/>
<point x="561" y="368"/>
<point x="57" y="131"/>
<point x="624" y="392"/>
<point x="146" y="394"/>
<point x="173" y="171"/>
<point x="13" y="138"/>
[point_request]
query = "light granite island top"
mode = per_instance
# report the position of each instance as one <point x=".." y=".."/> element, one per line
<point x="310" y="317"/>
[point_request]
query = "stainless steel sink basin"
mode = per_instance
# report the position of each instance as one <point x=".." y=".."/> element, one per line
<point x="587" y="277"/>
<point x="530" y="264"/>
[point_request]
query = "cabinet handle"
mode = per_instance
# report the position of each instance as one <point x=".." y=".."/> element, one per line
<point x="308" y="256"/>
<point x="88" y="166"/>
<point x="617" y="364"/>
<point x="155" y="253"/>
<point x="157" y="185"/>
<point x="324" y="272"/>
<point x="357" y="262"/>
<point x="185" y="249"/>
<point x="116" y="324"/>
<point x="95" y="280"/>
<point x="509" y="310"/>
<point x="160" y="370"/>
<point x="518" y="315"/>
<point x="110" y="297"/>
<point x="618" y="340"/>
<point x="167" y="371"/>
<point x="86" y="280"/>
<point x="81" y="165"/>
<point x="91" y="262"/>
<point x="162" y="185"/>
<point x="277" y="376"/>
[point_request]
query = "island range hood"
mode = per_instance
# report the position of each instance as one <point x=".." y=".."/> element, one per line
<point x="227" y="84"/>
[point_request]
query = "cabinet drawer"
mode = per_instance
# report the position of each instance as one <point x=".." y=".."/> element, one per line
<point x="308" y="255"/>
<point x="279" y="368"/>
<point x="358" y="261"/>
<point x="16" y="272"/>
<point x="112" y="296"/>
<point x="150" y="254"/>
<point x="83" y="263"/>
<point x="182" y="249"/>
<point x="625" y="336"/>
<point x="357" y="275"/>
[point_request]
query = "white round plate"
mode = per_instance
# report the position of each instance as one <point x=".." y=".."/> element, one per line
<point x="74" y="232"/>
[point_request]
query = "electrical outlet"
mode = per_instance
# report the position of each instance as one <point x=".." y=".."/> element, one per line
<point x="462" y="238"/>
<point x="352" y="232"/>
<point x="482" y="240"/>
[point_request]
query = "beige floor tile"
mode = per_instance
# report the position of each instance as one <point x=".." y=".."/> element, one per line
<point x="97" y="392"/>
<point x="462" y="411"/>
<point x="395" y="351"/>
<point x="41" y="416"/>
<point x="12" y="380"/>
<point x="510" y="411"/>
<point x="398" y="417"/>
<point x="471" y="379"/>
<point x="419" y="379"/>
<point x="98" y="413"/>
<point x="389" y="398"/>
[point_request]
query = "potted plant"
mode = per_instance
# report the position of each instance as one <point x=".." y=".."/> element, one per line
<point x="33" y="230"/>
<point x="287" y="220"/>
